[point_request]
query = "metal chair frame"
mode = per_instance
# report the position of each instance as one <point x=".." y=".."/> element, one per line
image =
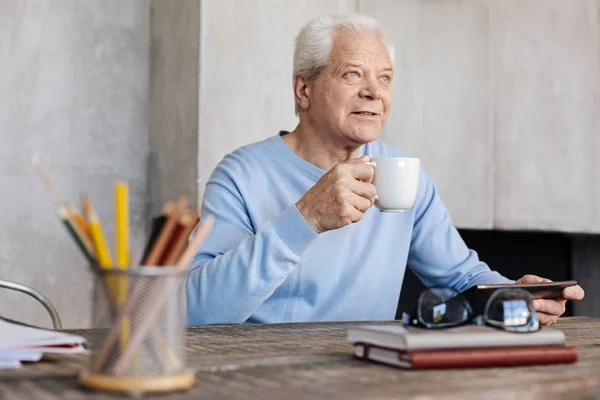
<point x="36" y="295"/>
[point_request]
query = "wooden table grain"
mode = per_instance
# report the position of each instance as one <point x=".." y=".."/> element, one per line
<point x="314" y="361"/>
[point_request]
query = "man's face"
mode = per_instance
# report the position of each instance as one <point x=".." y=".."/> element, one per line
<point x="351" y="97"/>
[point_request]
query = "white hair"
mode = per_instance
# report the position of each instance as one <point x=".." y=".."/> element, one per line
<point x="313" y="43"/>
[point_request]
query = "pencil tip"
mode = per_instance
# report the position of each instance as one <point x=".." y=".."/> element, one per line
<point x="85" y="202"/>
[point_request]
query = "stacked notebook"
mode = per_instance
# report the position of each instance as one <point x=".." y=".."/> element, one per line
<point x="22" y="343"/>
<point x="464" y="346"/>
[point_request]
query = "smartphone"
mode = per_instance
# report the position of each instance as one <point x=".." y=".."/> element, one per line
<point x="478" y="295"/>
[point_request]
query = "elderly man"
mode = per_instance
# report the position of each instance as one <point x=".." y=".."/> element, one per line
<point x="296" y="236"/>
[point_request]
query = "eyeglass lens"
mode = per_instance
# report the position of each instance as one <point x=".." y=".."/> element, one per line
<point x="440" y="307"/>
<point x="509" y="308"/>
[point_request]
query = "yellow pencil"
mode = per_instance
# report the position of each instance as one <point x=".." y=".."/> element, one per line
<point x="122" y="245"/>
<point x="122" y="224"/>
<point x="103" y="256"/>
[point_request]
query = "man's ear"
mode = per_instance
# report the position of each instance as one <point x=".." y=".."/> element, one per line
<point x="301" y="91"/>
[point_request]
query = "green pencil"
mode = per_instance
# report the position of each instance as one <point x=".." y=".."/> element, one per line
<point x="65" y="217"/>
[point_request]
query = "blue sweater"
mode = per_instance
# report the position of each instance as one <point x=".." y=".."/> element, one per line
<point x="263" y="263"/>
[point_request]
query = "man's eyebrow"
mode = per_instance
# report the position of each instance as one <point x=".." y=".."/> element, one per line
<point x="345" y="65"/>
<point x="354" y="64"/>
<point x="351" y="64"/>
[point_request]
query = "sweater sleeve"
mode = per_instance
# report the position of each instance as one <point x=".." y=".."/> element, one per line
<point x="238" y="267"/>
<point x="438" y="254"/>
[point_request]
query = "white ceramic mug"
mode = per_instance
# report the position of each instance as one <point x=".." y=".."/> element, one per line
<point x="396" y="181"/>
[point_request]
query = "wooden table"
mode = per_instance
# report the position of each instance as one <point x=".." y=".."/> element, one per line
<point x="314" y="361"/>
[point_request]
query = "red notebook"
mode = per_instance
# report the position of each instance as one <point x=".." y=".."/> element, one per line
<point x="464" y="358"/>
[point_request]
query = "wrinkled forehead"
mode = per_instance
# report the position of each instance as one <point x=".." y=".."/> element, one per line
<point x="362" y="50"/>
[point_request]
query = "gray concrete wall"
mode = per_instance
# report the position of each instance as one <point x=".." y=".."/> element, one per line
<point x="174" y="96"/>
<point x="74" y="90"/>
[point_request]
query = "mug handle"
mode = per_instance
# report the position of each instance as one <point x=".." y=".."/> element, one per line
<point x="374" y="165"/>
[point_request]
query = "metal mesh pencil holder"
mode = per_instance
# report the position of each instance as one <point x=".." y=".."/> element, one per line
<point x="141" y="315"/>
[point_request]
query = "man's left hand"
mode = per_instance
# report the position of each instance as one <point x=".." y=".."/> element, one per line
<point x="548" y="310"/>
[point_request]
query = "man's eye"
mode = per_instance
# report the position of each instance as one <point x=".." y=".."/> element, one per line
<point x="352" y="74"/>
<point x="386" y="78"/>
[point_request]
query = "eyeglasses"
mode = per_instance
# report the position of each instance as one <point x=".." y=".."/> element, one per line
<point x="508" y="309"/>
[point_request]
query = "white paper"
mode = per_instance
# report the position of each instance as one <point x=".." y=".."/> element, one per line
<point x="9" y="363"/>
<point x="15" y="336"/>
<point x="22" y="355"/>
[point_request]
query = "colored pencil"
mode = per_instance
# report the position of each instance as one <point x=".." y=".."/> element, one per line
<point x="75" y="215"/>
<point x="189" y="253"/>
<point x="122" y="251"/>
<point x="168" y="245"/>
<point x="162" y="295"/>
<point x="75" y="233"/>
<point x="180" y="237"/>
<point x="157" y="225"/>
<point x="104" y="258"/>
<point x="166" y="232"/>
<point x="122" y="224"/>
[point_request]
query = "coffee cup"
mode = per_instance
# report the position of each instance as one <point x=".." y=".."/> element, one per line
<point x="396" y="181"/>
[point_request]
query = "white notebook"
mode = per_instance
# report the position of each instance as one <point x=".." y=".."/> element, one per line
<point x="466" y="336"/>
<point x="25" y="343"/>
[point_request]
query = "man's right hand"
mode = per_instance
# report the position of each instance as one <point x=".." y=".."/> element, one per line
<point x="340" y="197"/>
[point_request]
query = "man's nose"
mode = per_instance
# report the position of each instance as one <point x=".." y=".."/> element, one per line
<point x="370" y="90"/>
